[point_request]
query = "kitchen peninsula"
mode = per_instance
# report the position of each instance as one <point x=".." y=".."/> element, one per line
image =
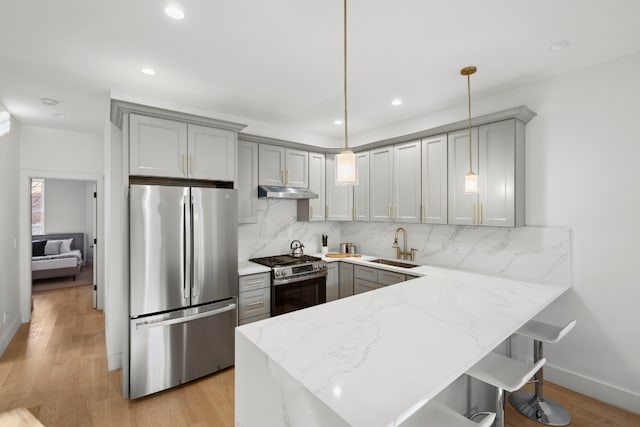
<point x="375" y="358"/>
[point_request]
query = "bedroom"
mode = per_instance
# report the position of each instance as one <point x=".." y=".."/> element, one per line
<point x="63" y="217"/>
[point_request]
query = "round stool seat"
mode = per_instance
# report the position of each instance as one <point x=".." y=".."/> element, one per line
<point x="545" y="332"/>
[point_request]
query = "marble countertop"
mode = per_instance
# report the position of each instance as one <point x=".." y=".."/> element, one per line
<point x="375" y="358"/>
<point x="247" y="267"/>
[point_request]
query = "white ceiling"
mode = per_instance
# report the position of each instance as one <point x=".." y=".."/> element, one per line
<point x="280" y="61"/>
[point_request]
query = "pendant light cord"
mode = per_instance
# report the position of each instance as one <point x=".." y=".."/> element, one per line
<point x="469" y="101"/>
<point x="346" y="140"/>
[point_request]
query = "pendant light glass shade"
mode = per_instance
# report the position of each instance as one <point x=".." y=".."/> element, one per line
<point x="346" y="168"/>
<point x="471" y="183"/>
<point x="346" y="161"/>
<point x="471" y="178"/>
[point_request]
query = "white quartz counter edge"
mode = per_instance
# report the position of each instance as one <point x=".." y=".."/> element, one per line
<point x="247" y="267"/>
<point x="375" y="358"/>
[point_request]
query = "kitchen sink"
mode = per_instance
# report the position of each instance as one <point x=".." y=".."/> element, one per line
<point x="394" y="263"/>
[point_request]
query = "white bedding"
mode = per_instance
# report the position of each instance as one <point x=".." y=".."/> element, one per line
<point x="47" y="262"/>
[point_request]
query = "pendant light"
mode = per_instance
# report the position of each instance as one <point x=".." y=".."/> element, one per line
<point x="346" y="160"/>
<point x="470" y="179"/>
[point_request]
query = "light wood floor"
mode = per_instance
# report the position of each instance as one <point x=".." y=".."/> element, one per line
<point x="56" y="368"/>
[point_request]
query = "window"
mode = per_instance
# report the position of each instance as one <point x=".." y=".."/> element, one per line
<point x="37" y="206"/>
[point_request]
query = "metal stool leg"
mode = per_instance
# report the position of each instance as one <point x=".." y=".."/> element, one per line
<point x="536" y="406"/>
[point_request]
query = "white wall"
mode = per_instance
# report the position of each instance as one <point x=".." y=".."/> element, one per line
<point x="9" y="290"/>
<point x="581" y="159"/>
<point x="114" y="245"/>
<point x="55" y="154"/>
<point x="65" y="206"/>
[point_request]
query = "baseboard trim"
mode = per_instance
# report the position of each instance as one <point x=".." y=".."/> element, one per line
<point x="608" y="393"/>
<point x="9" y="334"/>
<point x="114" y="361"/>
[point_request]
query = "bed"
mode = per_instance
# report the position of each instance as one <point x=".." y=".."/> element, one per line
<point x="56" y="255"/>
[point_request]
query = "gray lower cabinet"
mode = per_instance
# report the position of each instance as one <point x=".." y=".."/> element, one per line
<point x="368" y="278"/>
<point x="254" y="301"/>
<point x="361" y="285"/>
<point x="346" y="279"/>
<point x="333" y="281"/>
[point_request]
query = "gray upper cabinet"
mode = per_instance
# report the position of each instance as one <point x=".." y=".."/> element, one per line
<point x="407" y="182"/>
<point x="247" y="183"/>
<point x="381" y="184"/>
<point x="317" y="182"/>
<point x="361" y="191"/>
<point x="434" y="180"/>
<point x="339" y="198"/>
<point x="157" y="147"/>
<point x="498" y="159"/>
<point x="211" y="152"/>
<point x="283" y="166"/>
<point x="168" y="148"/>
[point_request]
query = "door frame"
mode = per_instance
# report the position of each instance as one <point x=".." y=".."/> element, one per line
<point x="24" y="199"/>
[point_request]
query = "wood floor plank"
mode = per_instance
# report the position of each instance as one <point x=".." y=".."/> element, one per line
<point x="56" y="367"/>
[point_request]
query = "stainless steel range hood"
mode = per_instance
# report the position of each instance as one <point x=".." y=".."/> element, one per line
<point x="276" y="192"/>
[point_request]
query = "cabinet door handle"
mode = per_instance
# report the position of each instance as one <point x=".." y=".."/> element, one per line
<point x="326" y="212"/>
<point x="184" y="165"/>
<point x="286" y="177"/>
<point x="473" y="218"/>
<point x="253" y="304"/>
<point x="190" y="165"/>
<point x="310" y="211"/>
<point x="255" y="282"/>
<point x="480" y="213"/>
<point x="282" y="176"/>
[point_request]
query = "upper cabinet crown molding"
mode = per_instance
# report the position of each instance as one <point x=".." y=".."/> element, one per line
<point x="119" y="108"/>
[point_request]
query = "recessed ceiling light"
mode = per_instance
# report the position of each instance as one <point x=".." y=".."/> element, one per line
<point x="396" y="102"/>
<point x="49" y="102"/>
<point x="149" y="71"/>
<point x="559" y="45"/>
<point x="60" y="115"/>
<point x="174" y="12"/>
<point x="337" y="122"/>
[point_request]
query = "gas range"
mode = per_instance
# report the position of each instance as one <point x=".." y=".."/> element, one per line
<point x="288" y="268"/>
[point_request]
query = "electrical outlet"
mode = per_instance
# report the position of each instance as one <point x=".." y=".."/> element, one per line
<point x="456" y="248"/>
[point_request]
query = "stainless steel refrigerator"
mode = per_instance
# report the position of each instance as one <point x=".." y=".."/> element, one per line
<point x="183" y="284"/>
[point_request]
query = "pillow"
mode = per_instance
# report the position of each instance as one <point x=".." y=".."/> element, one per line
<point x="65" y="245"/>
<point x="37" y="247"/>
<point x="52" y="247"/>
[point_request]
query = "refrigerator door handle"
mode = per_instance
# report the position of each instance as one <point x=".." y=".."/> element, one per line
<point x="186" y="248"/>
<point x="195" y="258"/>
<point x="155" y="323"/>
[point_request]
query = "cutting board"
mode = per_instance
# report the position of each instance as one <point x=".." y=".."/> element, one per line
<point x="338" y="255"/>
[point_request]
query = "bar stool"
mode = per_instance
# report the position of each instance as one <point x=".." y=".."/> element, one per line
<point x="504" y="374"/>
<point x="535" y="406"/>
<point x="434" y="413"/>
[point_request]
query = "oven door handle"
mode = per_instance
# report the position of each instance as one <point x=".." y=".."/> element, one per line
<point x="286" y="281"/>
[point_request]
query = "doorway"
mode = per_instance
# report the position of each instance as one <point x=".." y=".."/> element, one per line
<point x="93" y="220"/>
<point x="63" y="212"/>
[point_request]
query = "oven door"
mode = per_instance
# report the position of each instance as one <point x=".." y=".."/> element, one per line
<point x="301" y="292"/>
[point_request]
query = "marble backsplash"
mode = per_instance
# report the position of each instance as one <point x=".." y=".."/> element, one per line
<point x="537" y="254"/>
<point x="277" y="226"/>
